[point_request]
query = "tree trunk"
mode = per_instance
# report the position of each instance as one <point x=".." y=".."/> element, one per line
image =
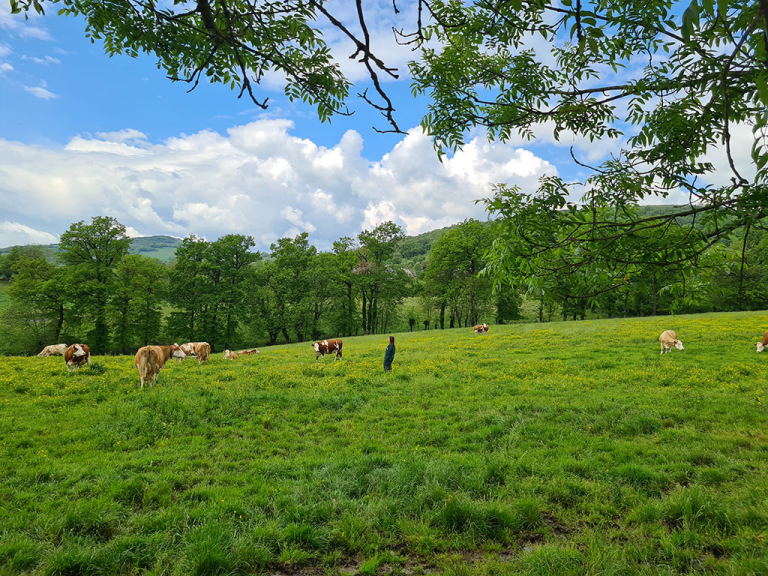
<point x="442" y="316"/>
<point x="655" y="293"/>
<point x="541" y="310"/>
<point x="59" y="322"/>
<point x="365" y="317"/>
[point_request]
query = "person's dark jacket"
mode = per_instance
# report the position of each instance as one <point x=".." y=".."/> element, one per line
<point x="389" y="355"/>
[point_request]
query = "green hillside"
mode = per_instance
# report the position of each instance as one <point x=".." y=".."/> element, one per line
<point x="569" y="449"/>
<point x="161" y="247"/>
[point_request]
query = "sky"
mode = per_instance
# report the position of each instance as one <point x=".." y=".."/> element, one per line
<point x="84" y="135"/>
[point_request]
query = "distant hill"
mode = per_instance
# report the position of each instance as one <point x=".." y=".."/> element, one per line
<point x="162" y="248"/>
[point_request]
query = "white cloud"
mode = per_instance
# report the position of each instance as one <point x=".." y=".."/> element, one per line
<point x="41" y="92"/>
<point x="122" y="136"/>
<point x="16" y="24"/>
<point x="44" y="61"/>
<point x="5" y="49"/>
<point x="257" y="179"/>
<point x="14" y="233"/>
<point x="5" y="67"/>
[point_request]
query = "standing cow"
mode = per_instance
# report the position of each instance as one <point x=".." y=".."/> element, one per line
<point x="667" y="340"/>
<point x="481" y="328"/>
<point x="763" y="344"/>
<point x="203" y="352"/>
<point x="54" y="350"/>
<point x="150" y="360"/>
<point x="77" y="355"/>
<point x="327" y="347"/>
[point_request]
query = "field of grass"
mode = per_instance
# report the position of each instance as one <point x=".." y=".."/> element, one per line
<point x="568" y="448"/>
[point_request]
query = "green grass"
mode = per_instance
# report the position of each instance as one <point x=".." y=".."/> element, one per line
<point x="569" y="448"/>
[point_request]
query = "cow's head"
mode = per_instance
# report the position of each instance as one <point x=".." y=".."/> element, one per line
<point x="679" y="345"/>
<point x="760" y="347"/>
<point x="177" y="352"/>
<point x="316" y="346"/>
<point x="79" y="350"/>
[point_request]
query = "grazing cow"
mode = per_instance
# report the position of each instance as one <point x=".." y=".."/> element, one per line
<point x="203" y="352"/>
<point x="327" y="347"/>
<point x="229" y="355"/>
<point x="150" y="360"/>
<point x="189" y="348"/>
<point x="248" y="352"/>
<point x="763" y="344"/>
<point x="54" y="350"/>
<point x="481" y="328"/>
<point x="77" y="355"/>
<point x="667" y="340"/>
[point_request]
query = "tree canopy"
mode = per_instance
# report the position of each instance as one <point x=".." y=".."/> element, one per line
<point x="669" y="81"/>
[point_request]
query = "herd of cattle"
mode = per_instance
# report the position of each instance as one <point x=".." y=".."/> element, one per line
<point x="149" y="360"/>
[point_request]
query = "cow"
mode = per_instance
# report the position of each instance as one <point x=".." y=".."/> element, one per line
<point x="667" y="340"/>
<point x="248" y="352"/>
<point x="77" y="355"/>
<point x="190" y="348"/>
<point x="53" y="350"/>
<point x="763" y="344"/>
<point x="203" y="352"/>
<point x="229" y="355"/>
<point x="481" y="328"/>
<point x="327" y="347"/>
<point x="149" y="360"/>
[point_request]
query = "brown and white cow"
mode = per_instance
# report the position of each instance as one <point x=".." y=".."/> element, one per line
<point x="203" y="352"/>
<point x="150" y="360"/>
<point x="763" y="344"/>
<point x="481" y="328"/>
<point x="189" y="348"/>
<point x="229" y="355"/>
<point x="667" y="340"/>
<point x="77" y="355"/>
<point x="327" y="347"/>
<point x="248" y="352"/>
<point x="54" y="350"/>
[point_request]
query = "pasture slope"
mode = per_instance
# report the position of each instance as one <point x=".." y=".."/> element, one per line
<point x="553" y="449"/>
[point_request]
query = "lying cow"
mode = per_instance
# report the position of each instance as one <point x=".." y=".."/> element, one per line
<point x="229" y="355"/>
<point x="763" y="344"/>
<point x="327" y="347"/>
<point x="481" y="328"/>
<point x="248" y="352"/>
<point x="77" y="355"/>
<point x="667" y="340"/>
<point x="150" y="360"/>
<point x="54" y="350"/>
<point x="203" y="352"/>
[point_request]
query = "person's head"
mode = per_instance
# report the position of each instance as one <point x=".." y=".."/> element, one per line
<point x="391" y="339"/>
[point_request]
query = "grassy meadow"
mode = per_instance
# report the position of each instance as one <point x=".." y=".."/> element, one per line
<point x="566" y="448"/>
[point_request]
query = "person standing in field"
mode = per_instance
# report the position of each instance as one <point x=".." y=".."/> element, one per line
<point x="389" y="354"/>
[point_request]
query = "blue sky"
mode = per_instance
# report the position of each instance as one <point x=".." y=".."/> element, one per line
<point x="82" y="134"/>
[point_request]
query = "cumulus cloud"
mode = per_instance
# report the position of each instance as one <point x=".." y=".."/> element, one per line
<point x="16" y="234"/>
<point x="256" y="179"/>
<point x="5" y="49"/>
<point x="5" y="67"/>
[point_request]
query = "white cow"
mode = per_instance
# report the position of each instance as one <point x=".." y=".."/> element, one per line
<point x="667" y="340"/>
<point x="53" y="350"/>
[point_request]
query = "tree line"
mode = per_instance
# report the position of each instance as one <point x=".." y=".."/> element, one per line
<point x="227" y="293"/>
